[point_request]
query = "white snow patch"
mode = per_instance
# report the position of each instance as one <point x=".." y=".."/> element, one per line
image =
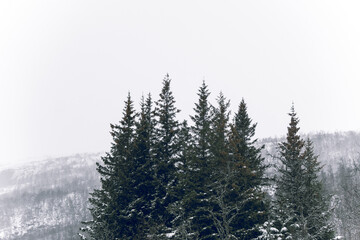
<point x="170" y="235"/>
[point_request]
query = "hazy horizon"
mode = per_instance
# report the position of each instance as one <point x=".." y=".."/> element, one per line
<point x="67" y="66"/>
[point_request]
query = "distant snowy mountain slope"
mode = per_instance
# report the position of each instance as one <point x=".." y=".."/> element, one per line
<point x="332" y="148"/>
<point x="47" y="200"/>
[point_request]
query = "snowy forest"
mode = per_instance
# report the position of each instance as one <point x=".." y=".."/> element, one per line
<point x="208" y="178"/>
<point x="167" y="179"/>
<point x="179" y="120"/>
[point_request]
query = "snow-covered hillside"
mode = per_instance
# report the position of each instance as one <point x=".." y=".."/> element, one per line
<point x="49" y="199"/>
<point x="331" y="148"/>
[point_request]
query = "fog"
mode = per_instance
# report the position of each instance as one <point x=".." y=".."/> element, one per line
<point x="67" y="66"/>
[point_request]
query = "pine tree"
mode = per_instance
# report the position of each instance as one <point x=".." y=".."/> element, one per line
<point x="182" y="224"/>
<point x="239" y="202"/>
<point x="219" y="130"/>
<point x="244" y="131"/>
<point x="201" y="129"/>
<point x="248" y="170"/>
<point x="316" y="213"/>
<point x="289" y="184"/>
<point x="220" y="180"/>
<point x="300" y="203"/>
<point x="166" y="150"/>
<point x="109" y="203"/>
<point x="142" y="175"/>
<point x="198" y="172"/>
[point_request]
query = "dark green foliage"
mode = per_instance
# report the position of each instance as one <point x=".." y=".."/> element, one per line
<point x="219" y="131"/>
<point x="316" y="208"/>
<point x="122" y="207"/>
<point x="110" y="203"/>
<point x="181" y="223"/>
<point x="201" y="129"/>
<point x="301" y="205"/>
<point x="142" y="175"/>
<point x="166" y="154"/>
<point x="162" y="179"/>
<point x="243" y="132"/>
<point x="291" y="173"/>
<point x="239" y="205"/>
<point x="248" y="171"/>
<point x="219" y="175"/>
<point x="196" y="201"/>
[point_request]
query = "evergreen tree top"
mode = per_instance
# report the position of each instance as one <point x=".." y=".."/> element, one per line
<point x="123" y="131"/>
<point x="167" y="125"/>
<point x="202" y="107"/>
<point x="146" y="121"/>
<point x="166" y="110"/>
<point x="299" y="198"/>
<point x="146" y="105"/>
<point x="243" y="123"/>
<point x="221" y="114"/>
<point x="223" y="104"/>
<point x="202" y="122"/>
<point x="312" y="165"/>
<point x="293" y="138"/>
<point x="166" y="94"/>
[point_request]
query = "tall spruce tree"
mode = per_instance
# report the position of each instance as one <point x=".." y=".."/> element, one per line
<point x="316" y="213"/>
<point x="142" y="175"/>
<point x="219" y="176"/>
<point x="109" y="204"/>
<point x="166" y="150"/>
<point x="301" y="207"/>
<point x="247" y="166"/>
<point x="219" y="130"/>
<point x="290" y="181"/>
<point x="199" y="169"/>
<point x="239" y="202"/>
<point x="182" y="223"/>
<point x="243" y="132"/>
<point x="201" y="128"/>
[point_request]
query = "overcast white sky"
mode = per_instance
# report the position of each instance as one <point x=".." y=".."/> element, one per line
<point x="66" y="66"/>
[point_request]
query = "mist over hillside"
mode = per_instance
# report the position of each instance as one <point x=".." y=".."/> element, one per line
<point x="49" y="199"/>
<point x="331" y="148"/>
<point x="46" y="199"/>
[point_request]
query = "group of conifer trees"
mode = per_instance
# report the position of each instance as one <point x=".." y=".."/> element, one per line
<point x="164" y="179"/>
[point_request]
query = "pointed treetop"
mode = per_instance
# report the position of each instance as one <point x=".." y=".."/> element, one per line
<point x="294" y="119"/>
<point x="222" y="101"/>
<point x="166" y="85"/>
<point x="166" y="101"/>
<point x="203" y="94"/>
<point x="292" y="109"/>
<point x="128" y="105"/>
<point x="149" y="99"/>
<point x="203" y="87"/>
<point x="243" y="123"/>
<point x="293" y="138"/>
<point x="167" y="79"/>
<point x="129" y="115"/>
<point x="203" y="83"/>
<point x="142" y="101"/>
<point x="145" y="103"/>
<point x="242" y="111"/>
